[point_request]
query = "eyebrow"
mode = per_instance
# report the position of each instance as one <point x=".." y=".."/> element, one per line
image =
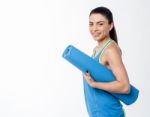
<point x="97" y="22"/>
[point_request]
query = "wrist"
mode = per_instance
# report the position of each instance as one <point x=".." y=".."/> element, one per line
<point x="93" y="84"/>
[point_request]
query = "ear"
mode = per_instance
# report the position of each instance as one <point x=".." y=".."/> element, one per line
<point x="111" y="26"/>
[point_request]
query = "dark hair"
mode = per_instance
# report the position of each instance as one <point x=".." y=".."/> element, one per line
<point x="108" y="14"/>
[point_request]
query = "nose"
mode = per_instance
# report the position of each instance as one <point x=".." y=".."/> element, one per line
<point x="94" y="28"/>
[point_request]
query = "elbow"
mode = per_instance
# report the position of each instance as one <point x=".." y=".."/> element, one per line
<point x="126" y="89"/>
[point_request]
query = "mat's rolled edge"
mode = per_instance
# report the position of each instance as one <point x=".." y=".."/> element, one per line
<point x="67" y="51"/>
<point x="134" y="100"/>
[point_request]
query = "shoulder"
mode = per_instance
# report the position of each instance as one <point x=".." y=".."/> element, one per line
<point x="113" y="53"/>
<point x="113" y="49"/>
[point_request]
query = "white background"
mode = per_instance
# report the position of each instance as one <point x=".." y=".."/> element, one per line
<point x="35" y="81"/>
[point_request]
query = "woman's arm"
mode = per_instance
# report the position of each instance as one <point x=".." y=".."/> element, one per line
<point x="121" y="84"/>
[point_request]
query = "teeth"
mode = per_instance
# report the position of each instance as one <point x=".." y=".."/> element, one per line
<point x="96" y="34"/>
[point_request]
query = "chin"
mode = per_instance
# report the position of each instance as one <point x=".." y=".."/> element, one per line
<point x="96" y="38"/>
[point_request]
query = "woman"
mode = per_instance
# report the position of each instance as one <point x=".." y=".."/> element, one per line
<point x="108" y="53"/>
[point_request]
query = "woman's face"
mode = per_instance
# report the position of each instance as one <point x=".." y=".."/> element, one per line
<point x="99" y="26"/>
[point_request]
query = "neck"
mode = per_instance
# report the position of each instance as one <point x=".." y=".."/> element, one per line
<point x="103" y="41"/>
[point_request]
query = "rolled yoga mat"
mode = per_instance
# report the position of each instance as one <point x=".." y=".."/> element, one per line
<point x="98" y="71"/>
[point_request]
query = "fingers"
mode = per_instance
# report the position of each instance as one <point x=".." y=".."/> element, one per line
<point x="87" y="73"/>
<point x="88" y="76"/>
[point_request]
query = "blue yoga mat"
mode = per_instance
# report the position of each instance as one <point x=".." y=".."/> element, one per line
<point x="98" y="71"/>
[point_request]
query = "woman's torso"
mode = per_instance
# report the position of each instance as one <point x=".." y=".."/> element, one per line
<point x="99" y="102"/>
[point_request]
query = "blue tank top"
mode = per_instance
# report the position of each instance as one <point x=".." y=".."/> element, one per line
<point x="100" y="103"/>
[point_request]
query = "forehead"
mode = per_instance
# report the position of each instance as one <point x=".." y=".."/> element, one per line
<point x="97" y="18"/>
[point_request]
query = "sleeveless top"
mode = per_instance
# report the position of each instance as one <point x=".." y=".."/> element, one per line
<point x="100" y="103"/>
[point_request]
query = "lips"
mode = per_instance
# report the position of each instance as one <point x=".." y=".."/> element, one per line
<point x="96" y="34"/>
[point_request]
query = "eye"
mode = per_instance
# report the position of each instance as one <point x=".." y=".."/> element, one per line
<point x="100" y="24"/>
<point x="90" y="24"/>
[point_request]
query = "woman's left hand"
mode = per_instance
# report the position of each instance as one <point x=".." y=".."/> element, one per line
<point x="89" y="79"/>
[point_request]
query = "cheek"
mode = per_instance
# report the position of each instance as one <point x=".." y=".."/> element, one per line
<point x="90" y="29"/>
<point x="102" y="28"/>
<point x="105" y="30"/>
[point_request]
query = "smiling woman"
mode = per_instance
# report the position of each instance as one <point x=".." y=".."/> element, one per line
<point x="108" y="53"/>
<point x="101" y="25"/>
